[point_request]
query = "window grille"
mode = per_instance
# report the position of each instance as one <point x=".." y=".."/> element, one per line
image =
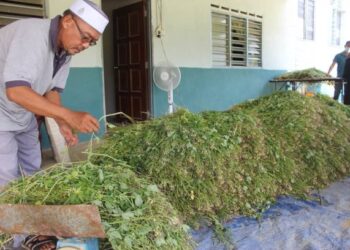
<point x="337" y="21"/>
<point x="238" y="41"/>
<point x="254" y="43"/>
<point x="306" y="12"/>
<point x="12" y="10"/>
<point x="336" y="27"/>
<point x="220" y="39"/>
<point x="236" y="38"/>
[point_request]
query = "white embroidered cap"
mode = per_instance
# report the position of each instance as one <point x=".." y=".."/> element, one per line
<point x="90" y="13"/>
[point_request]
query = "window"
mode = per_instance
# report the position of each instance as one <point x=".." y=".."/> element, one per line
<point x="336" y="27"/>
<point x="238" y="41"/>
<point x="236" y="38"/>
<point x="220" y="39"/>
<point x="12" y="10"/>
<point x="306" y="12"/>
<point x="337" y="15"/>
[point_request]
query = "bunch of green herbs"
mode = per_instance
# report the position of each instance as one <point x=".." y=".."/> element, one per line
<point x="135" y="214"/>
<point x="310" y="73"/>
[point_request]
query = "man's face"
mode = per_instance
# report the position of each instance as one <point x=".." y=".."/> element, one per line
<point x="347" y="46"/>
<point x="76" y="35"/>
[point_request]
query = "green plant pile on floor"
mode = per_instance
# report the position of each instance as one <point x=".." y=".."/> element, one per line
<point x="214" y="165"/>
<point x="310" y="73"/>
<point x="134" y="212"/>
<point x="210" y="166"/>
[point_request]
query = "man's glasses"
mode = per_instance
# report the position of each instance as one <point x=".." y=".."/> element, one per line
<point x="83" y="37"/>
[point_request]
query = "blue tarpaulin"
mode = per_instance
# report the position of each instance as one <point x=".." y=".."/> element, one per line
<point x="291" y="224"/>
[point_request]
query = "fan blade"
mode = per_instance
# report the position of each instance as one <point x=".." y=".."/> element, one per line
<point x="173" y="74"/>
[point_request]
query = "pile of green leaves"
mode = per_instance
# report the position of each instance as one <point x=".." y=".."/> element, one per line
<point x="310" y="73"/>
<point x="307" y="137"/>
<point x="210" y="166"/>
<point x="134" y="213"/>
<point x="214" y="165"/>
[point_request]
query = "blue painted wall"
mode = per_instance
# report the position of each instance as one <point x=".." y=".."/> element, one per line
<point x="200" y="89"/>
<point x="215" y="89"/>
<point x="83" y="92"/>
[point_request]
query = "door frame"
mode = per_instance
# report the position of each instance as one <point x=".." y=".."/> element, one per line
<point x="149" y="52"/>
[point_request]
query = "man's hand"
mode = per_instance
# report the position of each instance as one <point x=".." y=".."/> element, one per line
<point x="79" y="121"/>
<point x="69" y="136"/>
<point x="82" y="122"/>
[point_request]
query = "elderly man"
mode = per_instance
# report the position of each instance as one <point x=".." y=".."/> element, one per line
<point x="34" y="64"/>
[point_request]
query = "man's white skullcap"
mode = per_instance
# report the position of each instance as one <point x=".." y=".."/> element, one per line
<point x="90" y="13"/>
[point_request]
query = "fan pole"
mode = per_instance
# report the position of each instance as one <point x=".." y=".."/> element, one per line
<point x="171" y="99"/>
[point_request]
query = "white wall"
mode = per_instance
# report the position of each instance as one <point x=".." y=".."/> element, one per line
<point x="91" y="57"/>
<point x="186" y="38"/>
<point x="319" y="53"/>
<point x="187" y="27"/>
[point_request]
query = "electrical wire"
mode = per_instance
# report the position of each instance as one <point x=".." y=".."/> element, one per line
<point x="159" y="34"/>
<point x="159" y="27"/>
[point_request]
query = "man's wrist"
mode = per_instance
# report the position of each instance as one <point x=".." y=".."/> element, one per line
<point x="63" y="113"/>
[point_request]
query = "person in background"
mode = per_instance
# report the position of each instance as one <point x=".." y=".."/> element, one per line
<point x="35" y="55"/>
<point x="339" y="60"/>
<point x="346" y="76"/>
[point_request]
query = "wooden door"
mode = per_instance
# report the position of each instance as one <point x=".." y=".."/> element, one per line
<point x="130" y="72"/>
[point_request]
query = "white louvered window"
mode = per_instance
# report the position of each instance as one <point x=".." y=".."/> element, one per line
<point x="306" y="12"/>
<point x="254" y="43"/>
<point x="236" y="38"/>
<point x="336" y="26"/>
<point x="12" y="10"/>
<point x="238" y="41"/>
<point x="220" y="39"/>
<point x="337" y="22"/>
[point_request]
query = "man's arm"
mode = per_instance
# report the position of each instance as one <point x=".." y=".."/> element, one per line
<point x="331" y="68"/>
<point x="30" y="100"/>
<point x="54" y="97"/>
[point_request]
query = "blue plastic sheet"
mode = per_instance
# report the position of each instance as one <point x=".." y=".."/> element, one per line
<point x="291" y="224"/>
